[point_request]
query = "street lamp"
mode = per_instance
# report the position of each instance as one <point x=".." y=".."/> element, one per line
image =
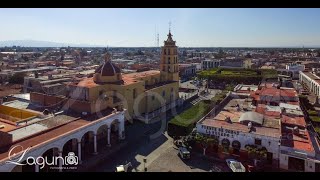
<point x="144" y="164"/>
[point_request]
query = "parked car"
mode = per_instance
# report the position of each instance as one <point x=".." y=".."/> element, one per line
<point x="184" y="153"/>
<point x="235" y="165"/>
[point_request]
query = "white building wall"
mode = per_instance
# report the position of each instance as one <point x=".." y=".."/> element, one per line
<point x="284" y="159"/>
<point x="271" y="143"/>
<point x="310" y="166"/>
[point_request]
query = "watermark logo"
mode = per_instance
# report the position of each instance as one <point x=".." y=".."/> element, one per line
<point x="70" y="159"/>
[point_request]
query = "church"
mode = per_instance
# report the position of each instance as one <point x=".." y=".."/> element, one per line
<point x="145" y="95"/>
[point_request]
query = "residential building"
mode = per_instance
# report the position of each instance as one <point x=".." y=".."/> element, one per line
<point x="187" y="70"/>
<point x="311" y="81"/>
<point x="267" y="117"/>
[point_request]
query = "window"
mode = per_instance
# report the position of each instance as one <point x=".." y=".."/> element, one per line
<point x="152" y="97"/>
<point x="115" y="98"/>
<point x="134" y="93"/>
<point x="257" y="141"/>
<point x="171" y="89"/>
<point x="168" y="60"/>
<point x="101" y="92"/>
<point x="163" y="93"/>
<point x="168" y="51"/>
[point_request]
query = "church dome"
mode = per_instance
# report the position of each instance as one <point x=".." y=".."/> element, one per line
<point x="108" y="69"/>
<point x="107" y="72"/>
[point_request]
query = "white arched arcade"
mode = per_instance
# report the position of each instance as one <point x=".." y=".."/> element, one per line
<point x="75" y="141"/>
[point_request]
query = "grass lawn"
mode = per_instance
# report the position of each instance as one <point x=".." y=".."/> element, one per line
<point x="191" y="115"/>
<point x="317" y="129"/>
<point x="219" y="97"/>
<point x="312" y="113"/>
<point x="315" y="118"/>
<point x="239" y="73"/>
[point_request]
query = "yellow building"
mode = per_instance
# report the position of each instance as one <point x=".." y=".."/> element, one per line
<point x="145" y="94"/>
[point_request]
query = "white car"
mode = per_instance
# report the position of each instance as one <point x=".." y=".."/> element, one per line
<point x="124" y="168"/>
<point x="235" y="165"/>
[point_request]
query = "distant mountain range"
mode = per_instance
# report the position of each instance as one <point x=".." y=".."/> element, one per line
<point x="35" y="43"/>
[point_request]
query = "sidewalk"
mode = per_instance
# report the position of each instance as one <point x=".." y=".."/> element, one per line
<point x="134" y="134"/>
<point x="95" y="160"/>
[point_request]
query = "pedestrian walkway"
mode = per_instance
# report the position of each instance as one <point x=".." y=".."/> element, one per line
<point x="154" y="155"/>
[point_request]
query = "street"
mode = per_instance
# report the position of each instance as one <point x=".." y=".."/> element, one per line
<point x="169" y="161"/>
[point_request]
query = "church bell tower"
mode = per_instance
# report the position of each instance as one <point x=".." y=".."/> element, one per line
<point x="169" y="65"/>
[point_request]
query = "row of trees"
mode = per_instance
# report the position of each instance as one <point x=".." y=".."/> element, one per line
<point x="254" y="152"/>
<point x="235" y="76"/>
<point x="204" y="141"/>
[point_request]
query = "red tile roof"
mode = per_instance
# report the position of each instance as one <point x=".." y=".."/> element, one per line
<point x="300" y="121"/>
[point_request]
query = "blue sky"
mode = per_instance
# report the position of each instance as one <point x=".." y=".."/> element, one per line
<point x="190" y="27"/>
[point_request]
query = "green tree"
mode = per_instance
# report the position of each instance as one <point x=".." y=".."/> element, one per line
<point x="205" y="142"/>
<point x="17" y="78"/>
<point x="256" y="153"/>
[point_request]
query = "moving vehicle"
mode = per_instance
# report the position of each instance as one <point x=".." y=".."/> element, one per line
<point x="184" y="153"/>
<point x="124" y="168"/>
<point x="235" y="165"/>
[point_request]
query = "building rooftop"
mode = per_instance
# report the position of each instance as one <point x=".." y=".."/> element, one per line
<point x="46" y="136"/>
<point x="85" y="82"/>
<point x="143" y="74"/>
<point x="311" y="75"/>
<point x="299" y="141"/>
<point x="6" y="126"/>
<point x="130" y="78"/>
<point x="46" y="132"/>
<point x="269" y="127"/>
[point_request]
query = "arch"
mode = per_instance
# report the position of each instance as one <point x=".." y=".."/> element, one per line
<point x="102" y="136"/>
<point x="18" y="168"/>
<point x="114" y="131"/>
<point x="24" y="168"/>
<point x="236" y="144"/>
<point x="71" y="146"/>
<point x="225" y="142"/>
<point x="53" y="146"/>
<point x="50" y="165"/>
<point x="87" y="144"/>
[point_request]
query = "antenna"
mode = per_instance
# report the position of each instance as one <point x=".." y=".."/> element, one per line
<point x="157" y="39"/>
<point x="155" y="35"/>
